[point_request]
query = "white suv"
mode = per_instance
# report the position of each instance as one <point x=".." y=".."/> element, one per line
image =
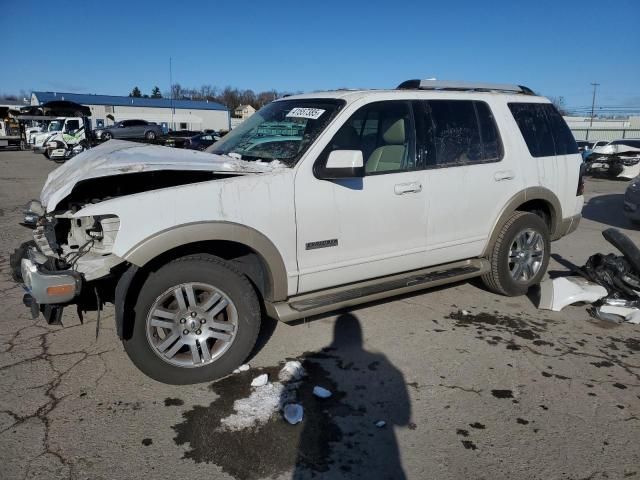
<point x="316" y="202"/>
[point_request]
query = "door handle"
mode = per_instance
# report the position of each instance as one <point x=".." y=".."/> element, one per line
<point x="504" y="175"/>
<point x="412" y="187"/>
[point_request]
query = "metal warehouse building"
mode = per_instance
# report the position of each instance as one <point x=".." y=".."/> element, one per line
<point x="171" y="114"/>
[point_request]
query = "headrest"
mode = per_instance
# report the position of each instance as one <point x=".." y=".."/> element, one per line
<point x="347" y="138"/>
<point x="393" y="131"/>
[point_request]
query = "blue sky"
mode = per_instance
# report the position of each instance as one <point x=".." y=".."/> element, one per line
<point x="555" y="47"/>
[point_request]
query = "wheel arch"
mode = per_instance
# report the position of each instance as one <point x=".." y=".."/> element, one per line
<point x="538" y="200"/>
<point x="249" y="251"/>
<point x="230" y="241"/>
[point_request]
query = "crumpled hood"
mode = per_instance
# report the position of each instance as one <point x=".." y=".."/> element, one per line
<point x="118" y="157"/>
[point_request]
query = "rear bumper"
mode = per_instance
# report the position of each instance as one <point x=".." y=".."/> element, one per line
<point x="567" y="226"/>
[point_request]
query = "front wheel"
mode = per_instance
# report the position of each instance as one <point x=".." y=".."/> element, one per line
<point x="196" y="319"/>
<point x="520" y="255"/>
<point x="150" y="136"/>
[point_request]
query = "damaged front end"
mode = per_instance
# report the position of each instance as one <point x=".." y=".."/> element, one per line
<point x="68" y="262"/>
<point x="620" y="165"/>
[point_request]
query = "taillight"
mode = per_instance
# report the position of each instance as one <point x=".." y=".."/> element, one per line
<point x="580" y="190"/>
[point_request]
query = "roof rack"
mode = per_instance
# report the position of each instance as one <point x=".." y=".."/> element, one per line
<point x="456" y="85"/>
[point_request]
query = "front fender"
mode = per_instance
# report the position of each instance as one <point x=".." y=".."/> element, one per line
<point x="164" y="241"/>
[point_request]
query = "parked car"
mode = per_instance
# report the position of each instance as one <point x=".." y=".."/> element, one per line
<point x="386" y="192"/>
<point x="129" y="129"/>
<point x="632" y="201"/>
<point x="190" y="140"/>
<point x="623" y="145"/>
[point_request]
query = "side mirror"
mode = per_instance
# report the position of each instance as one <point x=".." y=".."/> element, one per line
<point x="343" y="164"/>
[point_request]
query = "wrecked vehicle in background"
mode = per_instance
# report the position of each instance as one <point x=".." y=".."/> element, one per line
<point x="617" y="159"/>
<point x="361" y="203"/>
<point x="608" y="281"/>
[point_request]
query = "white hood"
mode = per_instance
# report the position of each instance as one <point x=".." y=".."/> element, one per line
<point x="118" y="157"/>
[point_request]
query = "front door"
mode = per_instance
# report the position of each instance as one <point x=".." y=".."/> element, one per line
<point x="355" y="229"/>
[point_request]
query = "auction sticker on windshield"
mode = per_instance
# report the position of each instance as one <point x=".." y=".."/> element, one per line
<point x="311" y="113"/>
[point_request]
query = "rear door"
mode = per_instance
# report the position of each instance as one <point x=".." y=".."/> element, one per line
<point x="470" y="175"/>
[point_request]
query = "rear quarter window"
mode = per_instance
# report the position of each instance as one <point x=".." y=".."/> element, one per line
<point x="544" y="130"/>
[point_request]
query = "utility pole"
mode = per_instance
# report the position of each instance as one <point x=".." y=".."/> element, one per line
<point x="593" y="102"/>
<point x="171" y="90"/>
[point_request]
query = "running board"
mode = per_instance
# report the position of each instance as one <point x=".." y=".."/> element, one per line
<point x="323" y="301"/>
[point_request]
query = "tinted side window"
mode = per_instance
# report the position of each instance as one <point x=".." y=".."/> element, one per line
<point x="456" y="132"/>
<point x="491" y="144"/>
<point x="535" y="128"/>
<point x="562" y="136"/>
<point x="383" y="131"/>
<point x="127" y="123"/>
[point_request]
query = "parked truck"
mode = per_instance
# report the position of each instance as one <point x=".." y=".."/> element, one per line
<point x="9" y="130"/>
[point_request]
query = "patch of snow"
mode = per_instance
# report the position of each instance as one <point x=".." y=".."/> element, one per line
<point x="256" y="409"/>
<point x="380" y="423"/>
<point x="260" y="380"/>
<point x="292" y="371"/>
<point x="293" y="413"/>
<point x="242" y="368"/>
<point x="321" y="392"/>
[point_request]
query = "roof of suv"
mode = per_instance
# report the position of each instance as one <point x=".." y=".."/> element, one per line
<point x="353" y="95"/>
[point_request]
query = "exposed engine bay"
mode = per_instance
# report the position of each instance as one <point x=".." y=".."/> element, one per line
<point x="66" y="238"/>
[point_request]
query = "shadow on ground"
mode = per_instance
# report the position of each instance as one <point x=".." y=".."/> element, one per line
<point x="338" y="437"/>
<point x="608" y="210"/>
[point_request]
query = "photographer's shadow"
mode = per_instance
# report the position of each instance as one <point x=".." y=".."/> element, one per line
<point x="370" y="389"/>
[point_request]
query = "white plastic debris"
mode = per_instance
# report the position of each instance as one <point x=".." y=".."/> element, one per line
<point x="619" y="314"/>
<point x="380" y="423"/>
<point x="292" y="371"/>
<point x="558" y="293"/>
<point x="256" y="409"/>
<point x="260" y="380"/>
<point x="242" y="368"/>
<point x="293" y="413"/>
<point x="466" y="312"/>
<point x="321" y="392"/>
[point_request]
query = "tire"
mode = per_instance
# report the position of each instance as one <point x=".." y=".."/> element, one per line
<point x="107" y="136"/>
<point x="46" y="154"/>
<point x="151" y="348"/>
<point x="150" y="135"/>
<point x="508" y="260"/>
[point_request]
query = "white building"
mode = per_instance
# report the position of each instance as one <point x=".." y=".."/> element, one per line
<point x="603" y="128"/>
<point x="171" y="114"/>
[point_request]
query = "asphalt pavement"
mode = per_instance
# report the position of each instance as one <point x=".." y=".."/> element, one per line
<point x="469" y="385"/>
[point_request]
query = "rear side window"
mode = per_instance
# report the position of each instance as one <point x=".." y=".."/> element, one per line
<point x="544" y="130"/>
<point x="456" y="132"/>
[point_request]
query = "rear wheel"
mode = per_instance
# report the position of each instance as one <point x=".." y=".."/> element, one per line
<point x="196" y="319"/>
<point x="520" y="255"/>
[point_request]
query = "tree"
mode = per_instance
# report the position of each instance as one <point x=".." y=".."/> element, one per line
<point x="176" y="91"/>
<point x="155" y="93"/>
<point x="135" y="92"/>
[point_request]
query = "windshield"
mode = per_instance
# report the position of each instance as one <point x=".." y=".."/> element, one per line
<point x="55" y="126"/>
<point x="282" y="130"/>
